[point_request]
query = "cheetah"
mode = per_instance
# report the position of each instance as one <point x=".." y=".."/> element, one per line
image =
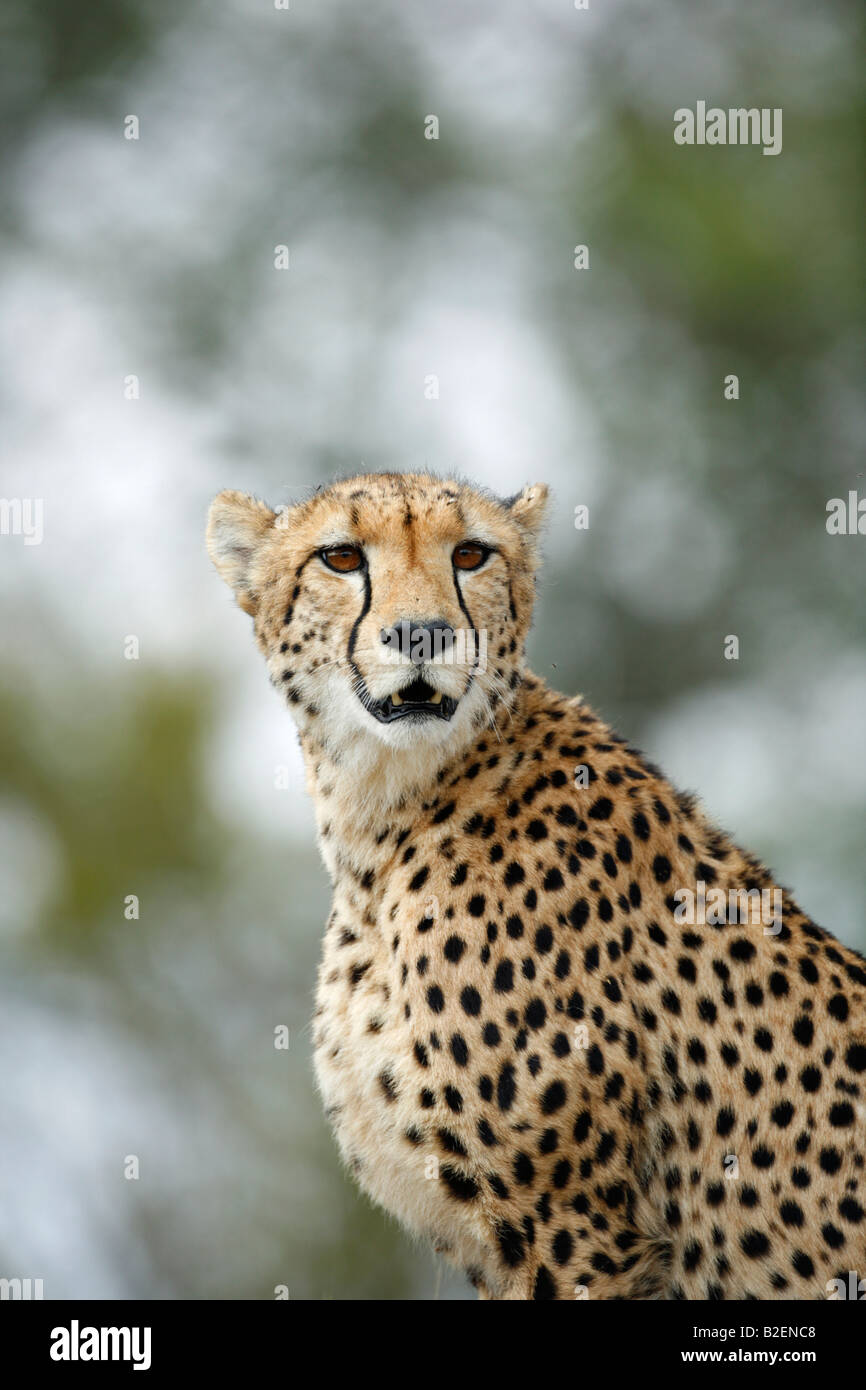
<point x="531" y="1052"/>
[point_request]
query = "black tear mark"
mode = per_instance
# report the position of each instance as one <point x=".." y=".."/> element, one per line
<point x="365" y="608"/>
<point x="464" y="610"/>
<point x="298" y="572"/>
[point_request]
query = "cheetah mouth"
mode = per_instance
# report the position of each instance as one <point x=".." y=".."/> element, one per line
<point x="415" y="701"/>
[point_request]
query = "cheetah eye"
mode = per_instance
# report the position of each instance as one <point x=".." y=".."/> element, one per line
<point x="470" y="556"/>
<point x="343" y="558"/>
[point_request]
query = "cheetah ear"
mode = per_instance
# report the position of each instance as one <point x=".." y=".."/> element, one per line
<point x="527" y="510"/>
<point x="236" y="526"/>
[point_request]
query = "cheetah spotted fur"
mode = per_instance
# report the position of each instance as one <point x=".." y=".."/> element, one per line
<point x="525" y="1056"/>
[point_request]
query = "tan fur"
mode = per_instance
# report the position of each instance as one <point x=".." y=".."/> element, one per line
<point x="524" y="1056"/>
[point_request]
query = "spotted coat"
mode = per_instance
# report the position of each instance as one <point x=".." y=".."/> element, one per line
<point x="526" y="1055"/>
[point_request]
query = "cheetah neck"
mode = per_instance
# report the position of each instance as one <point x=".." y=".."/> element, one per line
<point x="362" y="790"/>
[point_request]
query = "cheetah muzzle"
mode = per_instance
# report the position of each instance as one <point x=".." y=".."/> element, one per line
<point x="417" y="700"/>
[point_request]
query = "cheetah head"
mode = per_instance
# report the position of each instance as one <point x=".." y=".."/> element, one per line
<point x="389" y="607"/>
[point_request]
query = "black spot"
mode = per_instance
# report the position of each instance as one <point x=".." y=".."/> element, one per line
<point x="561" y="1173"/>
<point x="842" y="1115"/>
<point x="553" y="1098"/>
<point x="623" y="849"/>
<point x="545" y="1285"/>
<point x="485" y="1134"/>
<point x="562" y="1247"/>
<point x="582" y="1126"/>
<point x="503" y="979"/>
<point x="506" y="1087"/>
<point x="851" y="1210"/>
<point x="524" y="1170"/>
<point x="741" y="949"/>
<point x="791" y="1213"/>
<point x="692" y="1255"/>
<point x="543" y="940"/>
<point x="435" y="999"/>
<point x="830" y="1160"/>
<point x="459" y="1185"/>
<point x="389" y="1086"/>
<point x="754" y="1244"/>
<point x="510" y="1244"/>
<point x="470" y="1001"/>
<point x="450" y="1143"/>
<point x="453" y="1099"/>
<point x="661" y="868"/>
<point x="535" y="1013"/>
<point x="578" y="913"/>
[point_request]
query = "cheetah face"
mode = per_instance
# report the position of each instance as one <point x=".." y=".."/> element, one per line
<point x="391" y="607"/>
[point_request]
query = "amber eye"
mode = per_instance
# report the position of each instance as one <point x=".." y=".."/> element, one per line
<point x="470" y="556"/>
<point x="342" y="558"/>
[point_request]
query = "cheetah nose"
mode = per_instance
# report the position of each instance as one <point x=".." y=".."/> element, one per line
<point x="418" y="642"/>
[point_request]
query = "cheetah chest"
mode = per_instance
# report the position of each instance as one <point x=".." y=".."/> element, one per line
<point x="375" y="1101"/>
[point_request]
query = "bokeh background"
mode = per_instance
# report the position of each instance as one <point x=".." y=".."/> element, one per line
<point x="176" y="776"/>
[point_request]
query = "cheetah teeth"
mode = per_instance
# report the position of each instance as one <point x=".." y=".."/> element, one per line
<point x="434" y="699"/>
